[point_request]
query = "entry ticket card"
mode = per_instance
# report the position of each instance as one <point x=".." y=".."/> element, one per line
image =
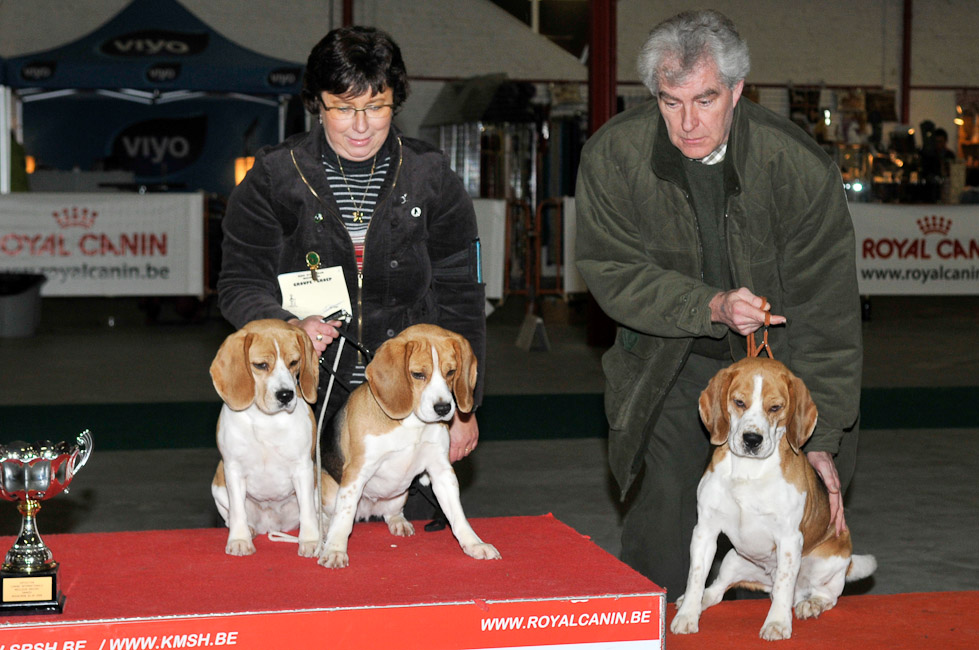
<point x="304" y="296"/>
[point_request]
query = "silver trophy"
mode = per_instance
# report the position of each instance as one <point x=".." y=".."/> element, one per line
<point x="31" y="473"/>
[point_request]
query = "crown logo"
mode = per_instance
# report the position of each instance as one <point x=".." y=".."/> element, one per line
<point x="934" y="224"/>
<point x="75" y="217"/>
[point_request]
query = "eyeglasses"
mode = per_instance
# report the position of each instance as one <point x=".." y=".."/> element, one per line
<point x="348" y="113"/>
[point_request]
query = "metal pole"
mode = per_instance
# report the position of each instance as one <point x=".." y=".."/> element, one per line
<point x="600" y="329"/>
<point x="906" y="63"/>
<point x="5" y="162"/>
<point x="601" y="63"/>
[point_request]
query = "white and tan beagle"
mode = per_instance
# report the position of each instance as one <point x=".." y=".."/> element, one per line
<point x="393" y="428"/>
<point x="761" y="491"/>
<point x="266" y="373"/>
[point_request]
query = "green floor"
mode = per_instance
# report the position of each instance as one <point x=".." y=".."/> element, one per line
<point x="188" y="425"/>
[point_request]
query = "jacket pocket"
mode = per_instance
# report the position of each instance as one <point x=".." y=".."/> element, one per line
<point x="625" y="365"/>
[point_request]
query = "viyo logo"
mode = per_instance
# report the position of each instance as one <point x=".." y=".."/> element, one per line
<point x="38" y="70"/>
<point x="163" y="72"/>
<point x="282" y="77"/>
<point x="161" y="146"/>
<point x="155" y="42"/>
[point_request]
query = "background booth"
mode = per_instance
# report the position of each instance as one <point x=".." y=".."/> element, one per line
<point x="156" y="92"/>
<point x="151" y="103"/>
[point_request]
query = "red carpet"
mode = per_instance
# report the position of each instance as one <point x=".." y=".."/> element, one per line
<point x="945" y="620"/>
<point x="167" y="573"/>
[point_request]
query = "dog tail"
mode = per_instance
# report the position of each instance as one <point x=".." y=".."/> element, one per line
<point x="861" y="566"/>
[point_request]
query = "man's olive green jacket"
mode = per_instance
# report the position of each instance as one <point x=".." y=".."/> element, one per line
<point x="789" y="238"/>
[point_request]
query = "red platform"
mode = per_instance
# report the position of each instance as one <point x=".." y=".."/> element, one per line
<point x="169" y="589"/>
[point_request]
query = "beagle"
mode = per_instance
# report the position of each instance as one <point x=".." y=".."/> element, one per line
<point x="761" y="491"/>
<point x="266" y="373"/>
<point x="393" y="428"/>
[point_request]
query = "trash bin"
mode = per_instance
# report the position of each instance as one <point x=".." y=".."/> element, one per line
<point x="20" y="303"/>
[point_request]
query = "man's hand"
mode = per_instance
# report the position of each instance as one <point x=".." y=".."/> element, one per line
<point x="822" y="462"/>
<point x="741" y="310"/>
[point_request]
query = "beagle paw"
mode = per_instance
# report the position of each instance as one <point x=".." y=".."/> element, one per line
<point x="712" y="596"/>
<point x="812" y="607"/>
<point x="308" y="549"/>
<point x="400" y="526"/>
<point x="685" y="624"/>
<point x="334" y="560"/>
<point x="239" y="547"/>
<point x="776" y="630"/>
<point x="482" y="551"/>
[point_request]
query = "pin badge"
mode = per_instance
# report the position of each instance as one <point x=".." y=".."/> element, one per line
<point x="313" y="262"/>
<point x="416" y="211"/>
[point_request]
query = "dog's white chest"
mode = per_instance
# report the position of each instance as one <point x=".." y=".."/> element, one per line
<point x="753" y="505"/>
<point x="399" y="456"/>
<point x="265" y="449"/>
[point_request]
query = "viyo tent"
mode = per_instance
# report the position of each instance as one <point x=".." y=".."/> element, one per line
<point x="156" y="90"/>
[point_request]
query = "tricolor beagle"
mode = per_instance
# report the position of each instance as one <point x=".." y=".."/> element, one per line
<point x="266" y="373"/>
<point x="761" y="491"/>
<point x="393" y="428"/>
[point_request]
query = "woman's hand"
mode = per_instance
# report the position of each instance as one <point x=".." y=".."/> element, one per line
<point x="320" y="333"/>
<point x="463" y="436"/>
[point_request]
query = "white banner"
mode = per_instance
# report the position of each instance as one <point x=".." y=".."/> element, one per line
<point x="916" y="249"/>
<point x="106" y="244"/>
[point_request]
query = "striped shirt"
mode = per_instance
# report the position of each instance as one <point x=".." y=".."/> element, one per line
<point x="356" y="189"/>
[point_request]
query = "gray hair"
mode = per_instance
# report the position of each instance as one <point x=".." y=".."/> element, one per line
<point x="677" y="46"/>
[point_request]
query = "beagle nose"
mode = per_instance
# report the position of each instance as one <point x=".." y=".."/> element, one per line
<point x="442" y="409"/>
<point x="284" y="396"/>
<point x="752" y="441"/>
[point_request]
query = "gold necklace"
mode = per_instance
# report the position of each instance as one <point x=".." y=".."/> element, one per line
<point x="358" y="209"/>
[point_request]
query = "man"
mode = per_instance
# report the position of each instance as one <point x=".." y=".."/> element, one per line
<point x="689" y="210"/>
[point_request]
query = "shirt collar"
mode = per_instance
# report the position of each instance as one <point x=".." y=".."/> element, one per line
<point x="715" y="156"/>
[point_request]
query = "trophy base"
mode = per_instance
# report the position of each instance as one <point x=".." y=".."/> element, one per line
<point x="31" y="593"/>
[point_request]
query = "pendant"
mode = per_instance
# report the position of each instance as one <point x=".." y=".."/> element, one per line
<point x="358" y="216"/>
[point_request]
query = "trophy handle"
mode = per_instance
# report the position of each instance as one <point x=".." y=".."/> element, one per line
<point x="84" y="449"/>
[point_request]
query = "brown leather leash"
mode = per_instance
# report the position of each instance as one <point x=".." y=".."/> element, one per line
<point x="755" y="350"/>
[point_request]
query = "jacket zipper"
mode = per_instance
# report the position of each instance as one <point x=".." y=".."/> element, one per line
<point x="700" y="236"/>
<point x="336" y="215"/>
<point x="360" y="272"/>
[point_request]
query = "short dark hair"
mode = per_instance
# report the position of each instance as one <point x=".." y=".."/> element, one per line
<point x="351" y="61"/>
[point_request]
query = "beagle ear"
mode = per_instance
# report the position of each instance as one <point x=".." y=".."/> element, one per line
<point x="465" y="378"/>
<point x="713" y="407"/>
<point x="802" y="419"/>
<point x="231" y="373"/>
<point x="389" y="380"/>
<point x="309" y="372"/>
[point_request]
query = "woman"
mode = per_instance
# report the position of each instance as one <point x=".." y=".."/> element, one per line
<point x="357" y="194"/>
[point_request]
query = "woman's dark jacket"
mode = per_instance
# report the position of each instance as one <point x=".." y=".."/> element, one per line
<point x="420" y="258"/>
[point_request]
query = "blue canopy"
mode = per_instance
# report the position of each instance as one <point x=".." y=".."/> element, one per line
<point x="158" y="49"/>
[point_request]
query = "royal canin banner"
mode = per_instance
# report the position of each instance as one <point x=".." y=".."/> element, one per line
<point x="106" y="244"/>
<point x="916" y="249"/>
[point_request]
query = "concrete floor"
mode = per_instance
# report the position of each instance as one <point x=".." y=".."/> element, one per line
<point x="914" y="502"/>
